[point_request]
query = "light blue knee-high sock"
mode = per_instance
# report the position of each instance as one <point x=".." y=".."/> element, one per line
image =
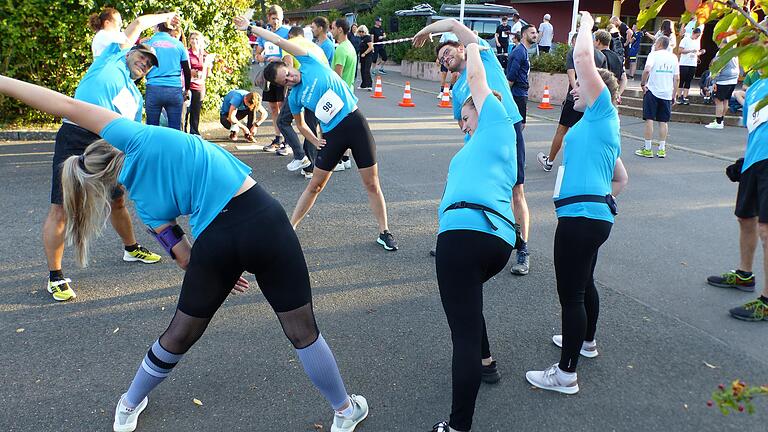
<point x="157" y="364"/>
<point x="321" y="368"/>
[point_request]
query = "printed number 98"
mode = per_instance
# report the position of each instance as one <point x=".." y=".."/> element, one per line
<point x="327" y="107"/>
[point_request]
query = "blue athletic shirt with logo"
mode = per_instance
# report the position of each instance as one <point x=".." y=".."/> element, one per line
<point x="483" y="172"/>
<point x="497" y="80"/>
<point x="170" y="53"/>
<point x="235" y="98"/>
<point x="169" y="173"/>
<point x="323" y="92"/>
<point x="328" y="48"/>
<point x="270" y="49"/>
<point x="591" y="149"/>
<point x="108" y="84"/>
<point x="756" y="123"/>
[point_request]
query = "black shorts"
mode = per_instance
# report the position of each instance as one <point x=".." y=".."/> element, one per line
<point x="275" y="93"/>
<point x="724" y="91"/>
<point x="71" y="140"/>
<point x="544" y="49"/>
<point x="752" y="197"/>
<point x="443" y="68"/>
<point x="686" y="76"/>
<point x="655" y="108"/>
<point x="351" y="133"/>
<point x="233" y="243"/>
<point x="379" y="51"/>
<point x="520" y="142"/>
<point x="568" y="115"/>
<point x="522" y="105"/>
<point x="239" y="114"/>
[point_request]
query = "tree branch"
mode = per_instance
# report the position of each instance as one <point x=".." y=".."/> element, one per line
<point x="734" y="5"/>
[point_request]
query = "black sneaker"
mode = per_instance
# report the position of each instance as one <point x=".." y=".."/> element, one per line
<point x="686" y="101"/>
<point x="490" y="374"/>
<point x="755" y="310"/>
<point x="733" y="279"/>
<point x="387" y="240"/>
<point x="441" y="427"/>
<point x="273" y="146"/>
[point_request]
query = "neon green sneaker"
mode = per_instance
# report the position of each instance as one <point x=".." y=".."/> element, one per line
<point x="661" y="153"/>
<point x="644" y="153"/>
<point x="141" y="254"/>
<point x="755" y="310"/>
<point x="60" y="290"/>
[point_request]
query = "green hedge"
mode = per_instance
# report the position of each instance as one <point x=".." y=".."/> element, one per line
<point x="49" y="43"/>
<point x="552" y="62"/>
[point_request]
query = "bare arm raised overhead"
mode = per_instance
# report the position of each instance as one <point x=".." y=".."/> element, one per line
<point x="590" y="82"/>
<point x="86" y="115"/>
<point x="134" y="29"/>
<point x="478" y="85"/>
<point x="465" y="35"/>
<point x="243" y="24"/>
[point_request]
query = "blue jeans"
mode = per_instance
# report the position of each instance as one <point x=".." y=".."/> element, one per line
<point x="170" y="98"/>
<point x="284" y="121"/>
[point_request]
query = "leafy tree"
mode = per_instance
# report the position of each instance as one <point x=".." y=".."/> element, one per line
<point x="737" y="30"/>
<point x="48" y="43"/>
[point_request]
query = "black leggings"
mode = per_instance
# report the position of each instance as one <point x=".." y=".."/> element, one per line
<point x="351" y="133"/>
<point x="193" y="112"/>
<point x="577" y="240"/>
<point x="464" y="261"/>
<point x="253" y="234"/>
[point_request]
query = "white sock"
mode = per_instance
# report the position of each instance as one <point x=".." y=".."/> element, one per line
<point x="588" y="344"/>
<point x="647" y="144"/>
<point x="348" y="411"/>
<point x="565" y="376"/>
<point x="662" y="145"/>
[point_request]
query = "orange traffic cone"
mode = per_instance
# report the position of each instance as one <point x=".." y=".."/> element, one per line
<point x="378" y="91"/>
<point x="445" y="99"/>
<point x="407" y="101"/>
<point x="545" y="100"/>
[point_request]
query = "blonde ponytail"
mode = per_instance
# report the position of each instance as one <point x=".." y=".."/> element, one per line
<point x="87" y="182"/>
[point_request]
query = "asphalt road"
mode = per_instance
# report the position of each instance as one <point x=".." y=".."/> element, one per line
<point x="665" y="337"/>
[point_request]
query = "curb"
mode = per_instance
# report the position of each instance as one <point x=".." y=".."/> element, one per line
<point x="28" y="135"/>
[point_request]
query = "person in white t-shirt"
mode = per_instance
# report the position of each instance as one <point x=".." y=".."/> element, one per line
<point x="516" y="24"/>
<point x="690" y="50"/>
<point x="546" y="33"/>
<point x="108" y="25"/>
<point x="659" y="82"/>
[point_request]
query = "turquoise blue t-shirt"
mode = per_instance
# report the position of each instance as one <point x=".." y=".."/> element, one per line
<point x="483" y="172"/>
<point x="169" y="173"/>
<point x="328" y="48"/>
<point x="323" y="92"/>
<point x="235" y="98"/>
<point x="108" y="84"/>
<point x="497" y="80"/>
<point x="270" y="49"/>
<point x="170" y="54"/>
<point x="756" y="123"/>
<point x="591" y="149"/>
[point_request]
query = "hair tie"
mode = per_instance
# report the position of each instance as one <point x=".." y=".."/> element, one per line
<point x="81" y="163"/>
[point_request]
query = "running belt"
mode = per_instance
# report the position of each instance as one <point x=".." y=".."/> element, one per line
<point x="486" y="210"/>
<point x="607" y="199"/>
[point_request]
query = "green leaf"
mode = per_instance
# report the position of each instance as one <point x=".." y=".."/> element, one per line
<point x="723" y="25"/>
<point x="738" y="22"/>
<point x="751" y="55"/>
<point x="650" y="12"/>
<point x="724" y="56"/>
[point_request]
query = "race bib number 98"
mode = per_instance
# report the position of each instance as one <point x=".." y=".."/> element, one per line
<point x="756" y="118"/>
<point x="271" y="50"/>
<point x="328" y="106"/>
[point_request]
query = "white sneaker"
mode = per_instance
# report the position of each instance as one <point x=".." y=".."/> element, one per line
<point x="544" y="161"/>
<point x="126" y="419"/>
<point x="307" y="174"/>
<point x="548" y="379"/>
<point x="339" y="167"/>
<point x="586" y="350"/>
<point x="440" y="95"/>
<point x="347" y="164"/>
<point x="348" y="424"/>
<point x="297" y="164"/>
<point x="714" y="125"/>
